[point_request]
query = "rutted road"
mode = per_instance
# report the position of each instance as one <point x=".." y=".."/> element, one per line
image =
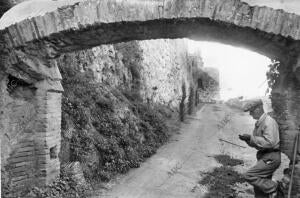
<point x="175" y="170"/>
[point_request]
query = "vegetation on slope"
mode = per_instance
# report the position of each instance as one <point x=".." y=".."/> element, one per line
<point x="118" y="131"/>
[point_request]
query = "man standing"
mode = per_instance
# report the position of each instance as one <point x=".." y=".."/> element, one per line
<point x="265" y="139"/>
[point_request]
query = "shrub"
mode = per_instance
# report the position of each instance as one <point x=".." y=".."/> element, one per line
<point x="191" y="101"/>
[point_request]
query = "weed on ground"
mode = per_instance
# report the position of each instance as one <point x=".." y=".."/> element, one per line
<point x="226" y="160"/>
<point x="221" y="180"/>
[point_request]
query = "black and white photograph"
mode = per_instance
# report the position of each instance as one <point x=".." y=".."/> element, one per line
<point x="150" y="98"/>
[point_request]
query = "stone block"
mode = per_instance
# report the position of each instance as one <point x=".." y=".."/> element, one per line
<point x="22" y="169"/>
<point x="28" y="148"/>
<point x="23" y="154"/>
<point x="17" y="161"/>
<point x="25" y="143"/>
<point x="18" y="179"/>
<point x="40" y="26"/>
<point x="25" y="31"/>
<point x="13" y="36"/>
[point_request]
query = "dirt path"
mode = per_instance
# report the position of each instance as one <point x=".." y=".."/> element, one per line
<point x="178" y="167"/>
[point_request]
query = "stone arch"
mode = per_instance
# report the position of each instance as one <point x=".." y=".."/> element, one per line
<point x="29" y="47"/>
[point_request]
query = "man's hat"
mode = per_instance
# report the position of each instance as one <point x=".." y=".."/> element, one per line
<point x="252" y="104"/>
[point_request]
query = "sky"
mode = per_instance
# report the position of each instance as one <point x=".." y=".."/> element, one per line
<point x="242" y="72"/>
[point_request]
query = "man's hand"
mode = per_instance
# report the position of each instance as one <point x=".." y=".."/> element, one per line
<point x="245" y="137"/>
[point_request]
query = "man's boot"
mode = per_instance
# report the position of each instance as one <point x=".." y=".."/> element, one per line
<point x="273" y="194"/>
<point x="278" y="193"/>
<point x="280" y="189"/>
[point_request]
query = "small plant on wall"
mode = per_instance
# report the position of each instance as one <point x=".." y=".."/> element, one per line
<point x="273" y="74"/>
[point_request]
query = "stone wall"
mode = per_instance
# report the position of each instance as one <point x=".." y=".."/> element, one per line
<point x="52" y="135"/>
<point x="104" y="63"/>
<point x="30" y="134"/>
<point x="285" y="103"/>
<point x="164" y="67"/>
<point x="17" y="145"/>
<point x="293" y="122"/>
<point x="156" y="68"/>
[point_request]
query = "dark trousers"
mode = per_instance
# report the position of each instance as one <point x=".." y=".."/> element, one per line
<point x="260" y="175"/>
